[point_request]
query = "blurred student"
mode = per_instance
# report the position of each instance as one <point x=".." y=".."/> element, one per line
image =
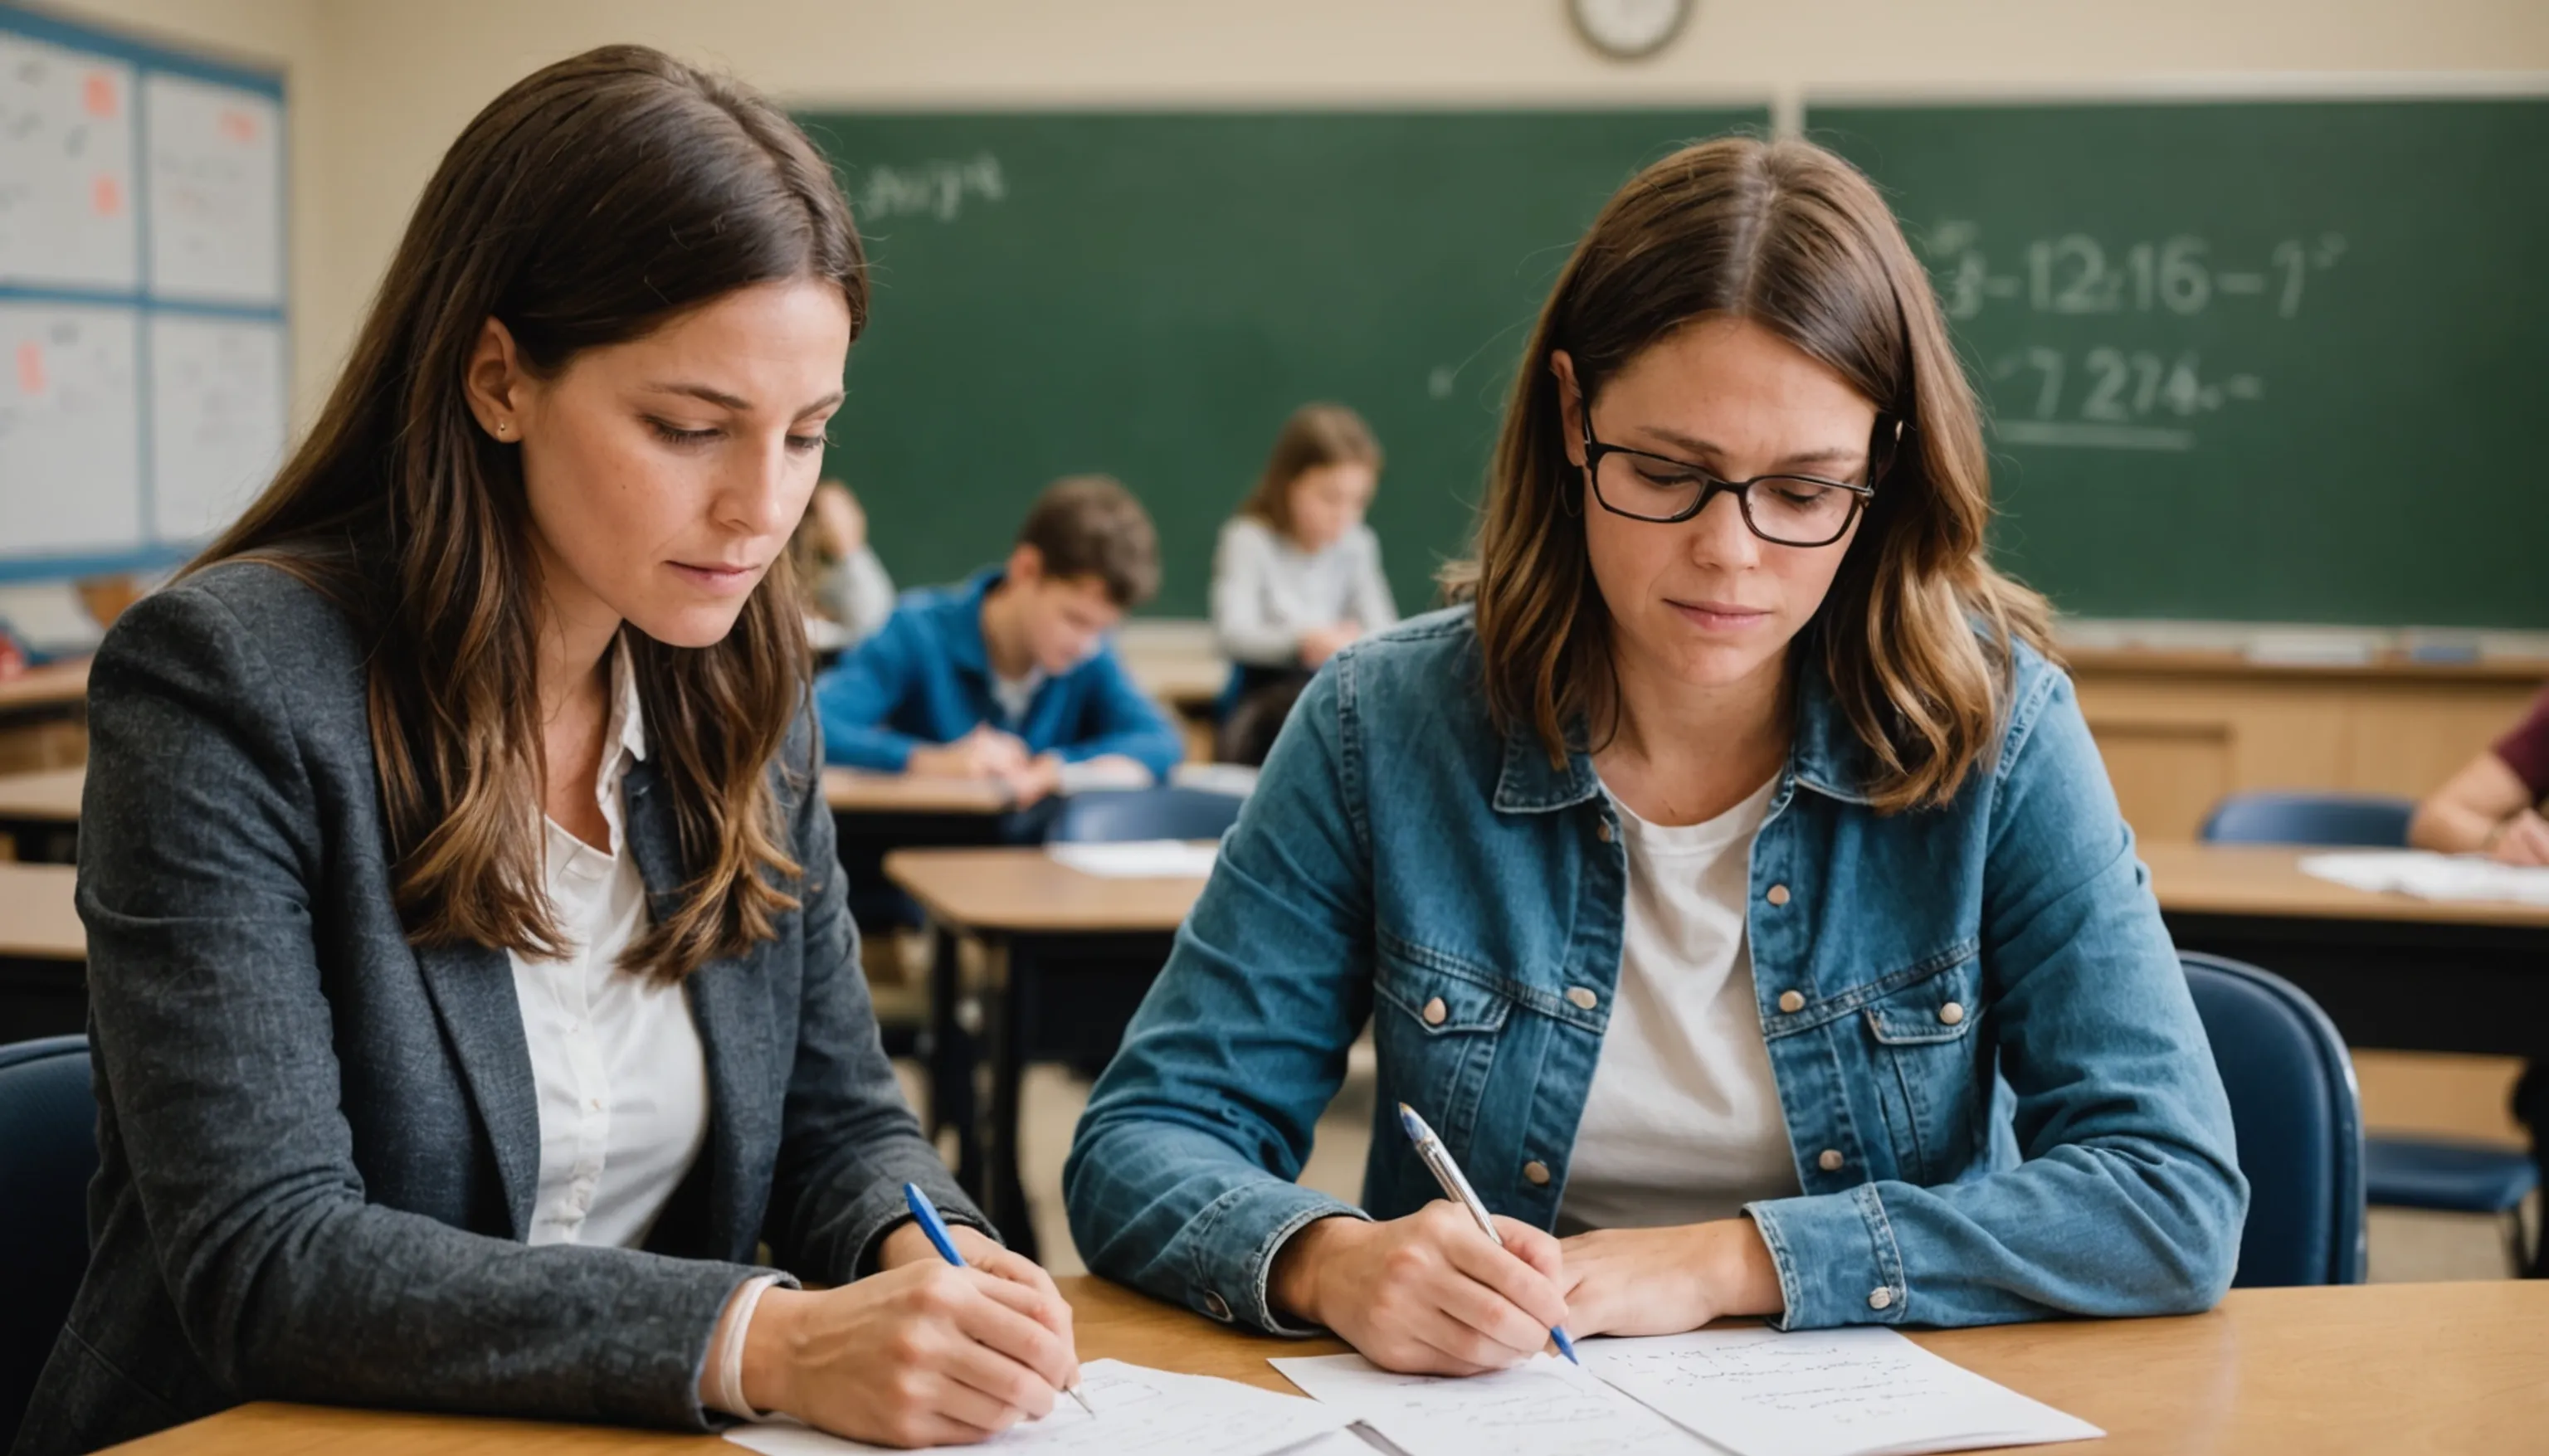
<point x="1700" y="881"/>
<point x="848" y="594"/>
<point x="469" y="984"/>
<point x="1298" y="573"/>
<point x="1010" y="675"/>
<point x="2491" y="807"/>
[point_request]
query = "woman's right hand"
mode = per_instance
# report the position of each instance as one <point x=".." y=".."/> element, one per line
<point x="927" y="1355"/>
<point x="2522" y="839"/>
<point x="1428" y="1294"/>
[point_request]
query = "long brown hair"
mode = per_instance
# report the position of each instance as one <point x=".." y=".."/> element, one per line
<point x="1915" y="635"/>
<point x="1315" y="435"/>
<point x="590" y="203"/>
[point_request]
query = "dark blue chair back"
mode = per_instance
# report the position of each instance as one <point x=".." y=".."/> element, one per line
<point x="47" y="1155"/>
<point x="2301" y="1138"/>
<point x="2374" y="821"/>
<point x="1145" y="813"/>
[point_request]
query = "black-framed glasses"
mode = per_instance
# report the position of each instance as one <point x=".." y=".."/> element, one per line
<point x="1782" y="510"/>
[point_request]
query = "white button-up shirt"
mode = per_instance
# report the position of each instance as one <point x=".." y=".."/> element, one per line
<point x="615" y="1059"/>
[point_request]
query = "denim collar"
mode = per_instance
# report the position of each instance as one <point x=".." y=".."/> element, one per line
<point x="1825" y="756"/>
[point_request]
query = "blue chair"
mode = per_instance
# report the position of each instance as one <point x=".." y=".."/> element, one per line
<point x="2300" y="1137"/>
<point x="2373" y="821"/>
<point x="1120" y="814"/>
<point x="2397" y="1172"/>
<point x="47" y="1155"/>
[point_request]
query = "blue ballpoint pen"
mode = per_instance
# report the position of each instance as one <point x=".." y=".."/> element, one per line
<point x="1438" y="1160"/>
<point x="925" y="1213"/>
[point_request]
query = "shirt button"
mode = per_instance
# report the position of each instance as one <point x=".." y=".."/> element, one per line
<point x="1215" y="1305"/>
<point x="1436" y="1012"/>
<point x="1581" y="998"/>
<point x="1952" y="1014"/>
<point x="1536" y="1173"/>
<point x="1603" y="830"/>
<point x="1791" y="1002"/>
<point x="1779" y="894"/>
<point x="1880" y="1298"/>
<point x="596" y="1104"/>
<point x="1830" y="1161"/>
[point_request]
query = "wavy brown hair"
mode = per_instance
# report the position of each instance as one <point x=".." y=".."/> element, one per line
<point x="1915" y="635"/>
<point x="1314" y="435"/>
<point x="592" y="203"/>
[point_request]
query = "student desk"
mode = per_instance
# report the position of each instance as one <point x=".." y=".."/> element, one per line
<point x="40" y="813"/>
<point x="1027" y="910"/>
<point x="2391" y="971"/>
<point x="44" y="717"/>
<point x="44" y="952"/>
<point x="2366" y="1368"/>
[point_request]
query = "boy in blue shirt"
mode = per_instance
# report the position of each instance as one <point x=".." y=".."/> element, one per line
<point x="1009" y="676"/>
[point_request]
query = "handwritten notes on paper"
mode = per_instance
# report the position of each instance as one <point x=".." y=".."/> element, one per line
<point x="217" y="411"/>
<point x="69" y="415"/>
<point x="2431" y="876"/>
<point x="1542" y="1407"/>
<point x="215" y="169"/>
<point x="1140" y="1411"/>
<point x="67" y="204"/>
<point x="1864" y="1391"/>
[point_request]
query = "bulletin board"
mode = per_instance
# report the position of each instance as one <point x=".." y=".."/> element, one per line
<point x="143" y="351"/>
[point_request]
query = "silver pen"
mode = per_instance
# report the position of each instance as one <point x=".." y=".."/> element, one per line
<point x="1438" y="1161"/>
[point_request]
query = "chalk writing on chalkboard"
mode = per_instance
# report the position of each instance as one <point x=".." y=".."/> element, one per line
<point x="2110" y="395"/>
<point x="928" y="189"/>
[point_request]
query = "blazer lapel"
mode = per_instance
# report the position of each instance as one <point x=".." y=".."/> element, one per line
<point x="472" y="987"/>
<point x="733" y="1013"/>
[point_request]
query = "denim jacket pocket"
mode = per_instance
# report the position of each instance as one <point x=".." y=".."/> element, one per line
<point x="1437" y="1023"/>
<point x="1929" y="1068"/>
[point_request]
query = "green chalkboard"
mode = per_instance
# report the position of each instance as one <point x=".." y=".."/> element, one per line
<point x="2256" y="361"/>
<point x="1151" y="293"/>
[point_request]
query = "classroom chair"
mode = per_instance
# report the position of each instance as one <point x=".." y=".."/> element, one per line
<point x="1086" y="1026"/>
<point x="2293" y="1107"/>
<point x="2397" y="1172"/>
<point x="47" y="1153"/>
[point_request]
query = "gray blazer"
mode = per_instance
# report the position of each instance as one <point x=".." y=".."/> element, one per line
<point x="319" y="1146"/>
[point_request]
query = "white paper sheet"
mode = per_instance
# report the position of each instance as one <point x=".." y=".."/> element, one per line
<point x="214" y="165"/>
<point x="1542" y="1407"/>
<point x="1138" y="858"/>
<point x="217" y="420"/>
<point x="68" y="212"/>
<point x="2431" y="876"/>
<point x="70" y="423"/>
<point x="1824" y="1393"/>
<point x="1141" y="1412"/>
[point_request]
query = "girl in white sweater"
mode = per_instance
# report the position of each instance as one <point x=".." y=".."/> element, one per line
<point x="1298" y="573"/>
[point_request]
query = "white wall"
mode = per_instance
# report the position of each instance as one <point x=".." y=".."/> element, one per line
<point x="381" y="86"/>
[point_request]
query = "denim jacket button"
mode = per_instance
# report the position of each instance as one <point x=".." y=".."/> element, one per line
<point x="1581" y="998"/>
<point x="1952" y="1014"/>
<point x="1829" y="1160"/>
<point x="1779" y="894"/>
<point x="1436" y="1011"/>
<point x="1536" y="1173"/>
<point x="1792" y="1002"/>
<point x="1219" y="1308"/>
<point x="1880" y="1298"/>
<point x="1603" y="831"/>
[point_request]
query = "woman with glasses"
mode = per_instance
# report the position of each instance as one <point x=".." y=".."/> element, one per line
<point x="1731" y="881"/>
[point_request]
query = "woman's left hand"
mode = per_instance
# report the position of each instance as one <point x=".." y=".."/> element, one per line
<point x="1663" y="1281"/>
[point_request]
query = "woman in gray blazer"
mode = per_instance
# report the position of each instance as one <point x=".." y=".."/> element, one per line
<point x="471" y="991"/>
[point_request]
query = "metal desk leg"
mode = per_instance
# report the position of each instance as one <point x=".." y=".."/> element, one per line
<point x="1007" y="1200"/>
<point x="952" y="1054"/>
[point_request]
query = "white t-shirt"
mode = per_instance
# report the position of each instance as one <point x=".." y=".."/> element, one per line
<point x="1683" y="1124"/>
<point x="615" y="1061"/>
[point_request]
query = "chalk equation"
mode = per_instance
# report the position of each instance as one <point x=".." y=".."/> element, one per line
<point x="936" y="189"/>
<point x="2075" y="273"/>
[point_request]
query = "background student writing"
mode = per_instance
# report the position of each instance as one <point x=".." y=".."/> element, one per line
<point x="1298" y="573"/>
<point x="470" y="985"/>
<point x="1010" y="675"/>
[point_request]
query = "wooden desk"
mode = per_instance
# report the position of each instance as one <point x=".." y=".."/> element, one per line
<point x="40" y="813"/>
<point x="44" y="952"/>
<point x="44" y="717"/>
<point x="52" y="685"/>
<point x="851" y="791"/>
<point x="2372" y="1368"/>
<point x="1028" y="912"/>
<point x="2391" y="971"/>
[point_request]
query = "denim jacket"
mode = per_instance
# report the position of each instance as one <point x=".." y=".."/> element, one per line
<point x="1402" y="863"/>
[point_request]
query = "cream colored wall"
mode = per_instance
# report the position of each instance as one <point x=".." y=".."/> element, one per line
<point x="381" y="86"/>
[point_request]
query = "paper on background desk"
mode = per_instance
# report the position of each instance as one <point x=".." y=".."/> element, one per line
<point x="2431" y="876"/>
<point x="1544" y="1407"/>
<point x="1137" y="859"/>
<point x="1141" y="1412"/>
<point x="1860" y="1392"/>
